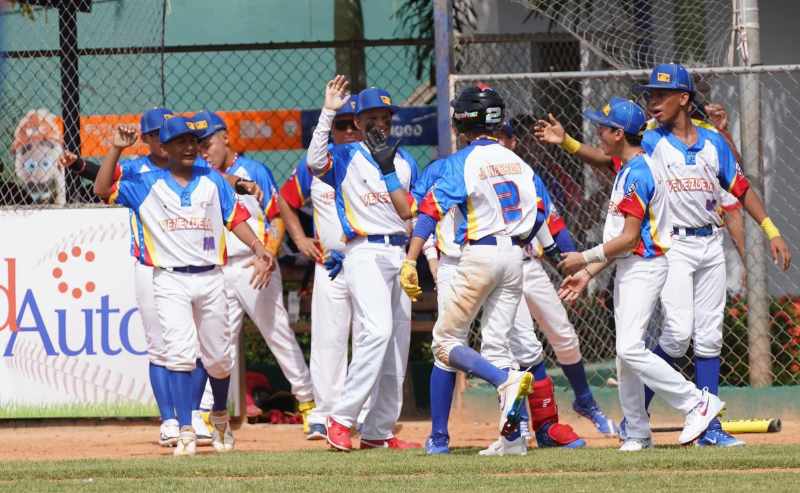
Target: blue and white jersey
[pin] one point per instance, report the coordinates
(492, 187)
(363, 203)
(695, 176)
(639, 190)
(261, 213)
(303, 187)
(128, 168)
(177, 225)
(449, 231)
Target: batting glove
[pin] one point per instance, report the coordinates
(409, 280)
(333, 264)
(381, 151)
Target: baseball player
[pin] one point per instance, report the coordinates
(494, 191)
(371, 180)
(331, 307)
(181, 214)
(636, 239)
(263, 306)
(541, 300)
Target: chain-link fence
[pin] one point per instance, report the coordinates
(581, 194)
(70, 80)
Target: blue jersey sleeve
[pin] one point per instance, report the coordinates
(639, 190)
(429, 176)
(650, 139)
(449, 191)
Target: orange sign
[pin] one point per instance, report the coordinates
(249, 130)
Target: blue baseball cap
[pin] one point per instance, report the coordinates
(619, 113)
(207, 123)
(350, 106)
(174, 128)
(152, 120)
(374, 98)
(671, 76)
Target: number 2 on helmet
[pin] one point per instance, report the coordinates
(508, 195)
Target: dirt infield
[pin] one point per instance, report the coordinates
(81, 440)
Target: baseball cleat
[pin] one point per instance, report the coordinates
(501, 447)
(715, 436)
(623, 430)
(316, 431)
(513, 395)
(700, 417)
(169, 433)
(593, 413)
(222, 436)
(187, 442)
(437, 445)
(201, 428)
(305, 408)
(552, 435)
(393, 443)
(636, 444)
(339, 436)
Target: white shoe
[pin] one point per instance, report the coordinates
(636, 444)
(222, 436)
(187, 442)
(169, 433)
(700, 417)
(501, 446)
(513, 395)
(200, 428)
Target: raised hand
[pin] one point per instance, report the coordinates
(718, 116)
(337, 91)
(550, 131)
(124, 136)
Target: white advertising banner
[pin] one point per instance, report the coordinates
(71, 339)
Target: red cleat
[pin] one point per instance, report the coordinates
(339, 436)
(393, 442)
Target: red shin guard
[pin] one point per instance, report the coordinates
(544, 413)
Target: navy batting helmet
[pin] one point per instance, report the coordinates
(478, 108)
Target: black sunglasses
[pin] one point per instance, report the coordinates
(344, 124)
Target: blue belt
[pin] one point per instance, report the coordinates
(191, 269)
(394, 240)
(706, 230)
(492, 240)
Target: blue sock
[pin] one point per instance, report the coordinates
(538, 371)
(706, 373)
(442, 385)
(467, 359)
(648, 394)
(180, 384)
(199, 378)
(159, 381)
(576, 374)
(518, 433)
(219, 387)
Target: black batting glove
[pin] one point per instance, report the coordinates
(381, 151)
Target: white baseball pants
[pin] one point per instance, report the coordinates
(146, 303)
(488, 276)
(693, 297)
(191, 310)
(382, 311)
(637, 286)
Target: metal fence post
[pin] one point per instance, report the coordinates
(758, 319)
(443, 36)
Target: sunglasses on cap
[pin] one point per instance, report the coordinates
(344, 124)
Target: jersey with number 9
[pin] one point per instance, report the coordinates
(492, 187)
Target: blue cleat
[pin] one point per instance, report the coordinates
(551, 435)
(437, 446)
(715, 436)
(593, 413)
(316, 431)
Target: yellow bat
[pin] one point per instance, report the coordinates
(737, 426)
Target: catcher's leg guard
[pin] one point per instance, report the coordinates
(544, 418)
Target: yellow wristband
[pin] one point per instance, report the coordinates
(769, 228)
(570, 145)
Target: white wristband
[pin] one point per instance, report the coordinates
(594, 255)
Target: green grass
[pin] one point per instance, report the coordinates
(752, 469)
(102, 410)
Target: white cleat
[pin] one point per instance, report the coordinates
(700, 417)
(200, 428)
(222, 436)
(636, 444)
(169, 433)
(501, 447)
(513, 395)
(187, 442)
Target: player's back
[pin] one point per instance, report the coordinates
(501, 197)
(260, 212)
